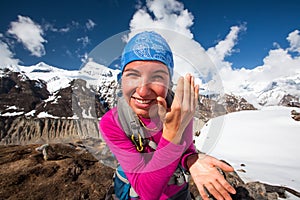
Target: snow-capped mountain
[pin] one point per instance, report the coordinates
(40, 98)
(54, 77)
(103, 81)
(24, 84)
(277, 89)
(57, 78)
(268, 93)
(42, 103)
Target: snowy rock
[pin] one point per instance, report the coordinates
(295, 115)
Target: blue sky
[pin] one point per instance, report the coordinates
(63, 32)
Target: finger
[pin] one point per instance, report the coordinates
(222, 165)
(226, 187)
(178, 92)
(203, 193)
(218, 163)
(187, 91)
(162, 107)
(192, 92)
(213, 191)
(196, 96)
(222, 191)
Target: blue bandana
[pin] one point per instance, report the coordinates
(147, 46)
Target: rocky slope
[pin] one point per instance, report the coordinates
(69, 171)
(72, 174)
(29, 113)
(22, 130)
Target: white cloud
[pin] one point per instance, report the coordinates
(166, 14)
(6, 56)
(29, 34)
(277, 64)
(84, 58)
(84, 40)
(73, 25)
(225, 47)
(164, 8)
(294, 39)
(90, 24)
(52, 28)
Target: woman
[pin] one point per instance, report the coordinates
(147, 69)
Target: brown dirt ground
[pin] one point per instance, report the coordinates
(73, 175)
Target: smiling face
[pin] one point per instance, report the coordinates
(142, 83)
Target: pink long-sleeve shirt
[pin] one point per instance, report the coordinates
(148, 172)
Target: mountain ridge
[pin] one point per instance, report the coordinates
(44, 92)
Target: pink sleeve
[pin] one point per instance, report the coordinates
(148, 173)
(191, 148)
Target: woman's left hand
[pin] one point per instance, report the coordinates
(182, 110)
(206, 176)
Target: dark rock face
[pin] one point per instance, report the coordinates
(75, 100)
(234, 103)
(22, 130)
(290, 100)
(18, 91)
(209, 108)
(295, 115)
(30, 114)
(20, 94)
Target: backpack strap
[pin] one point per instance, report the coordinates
(131, 124)
(121, 175)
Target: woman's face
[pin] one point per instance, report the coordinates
(142, 83)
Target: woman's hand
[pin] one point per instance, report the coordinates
(182, 110)
(206, 176)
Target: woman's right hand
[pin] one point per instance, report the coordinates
(182, 110)
(207, 177)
